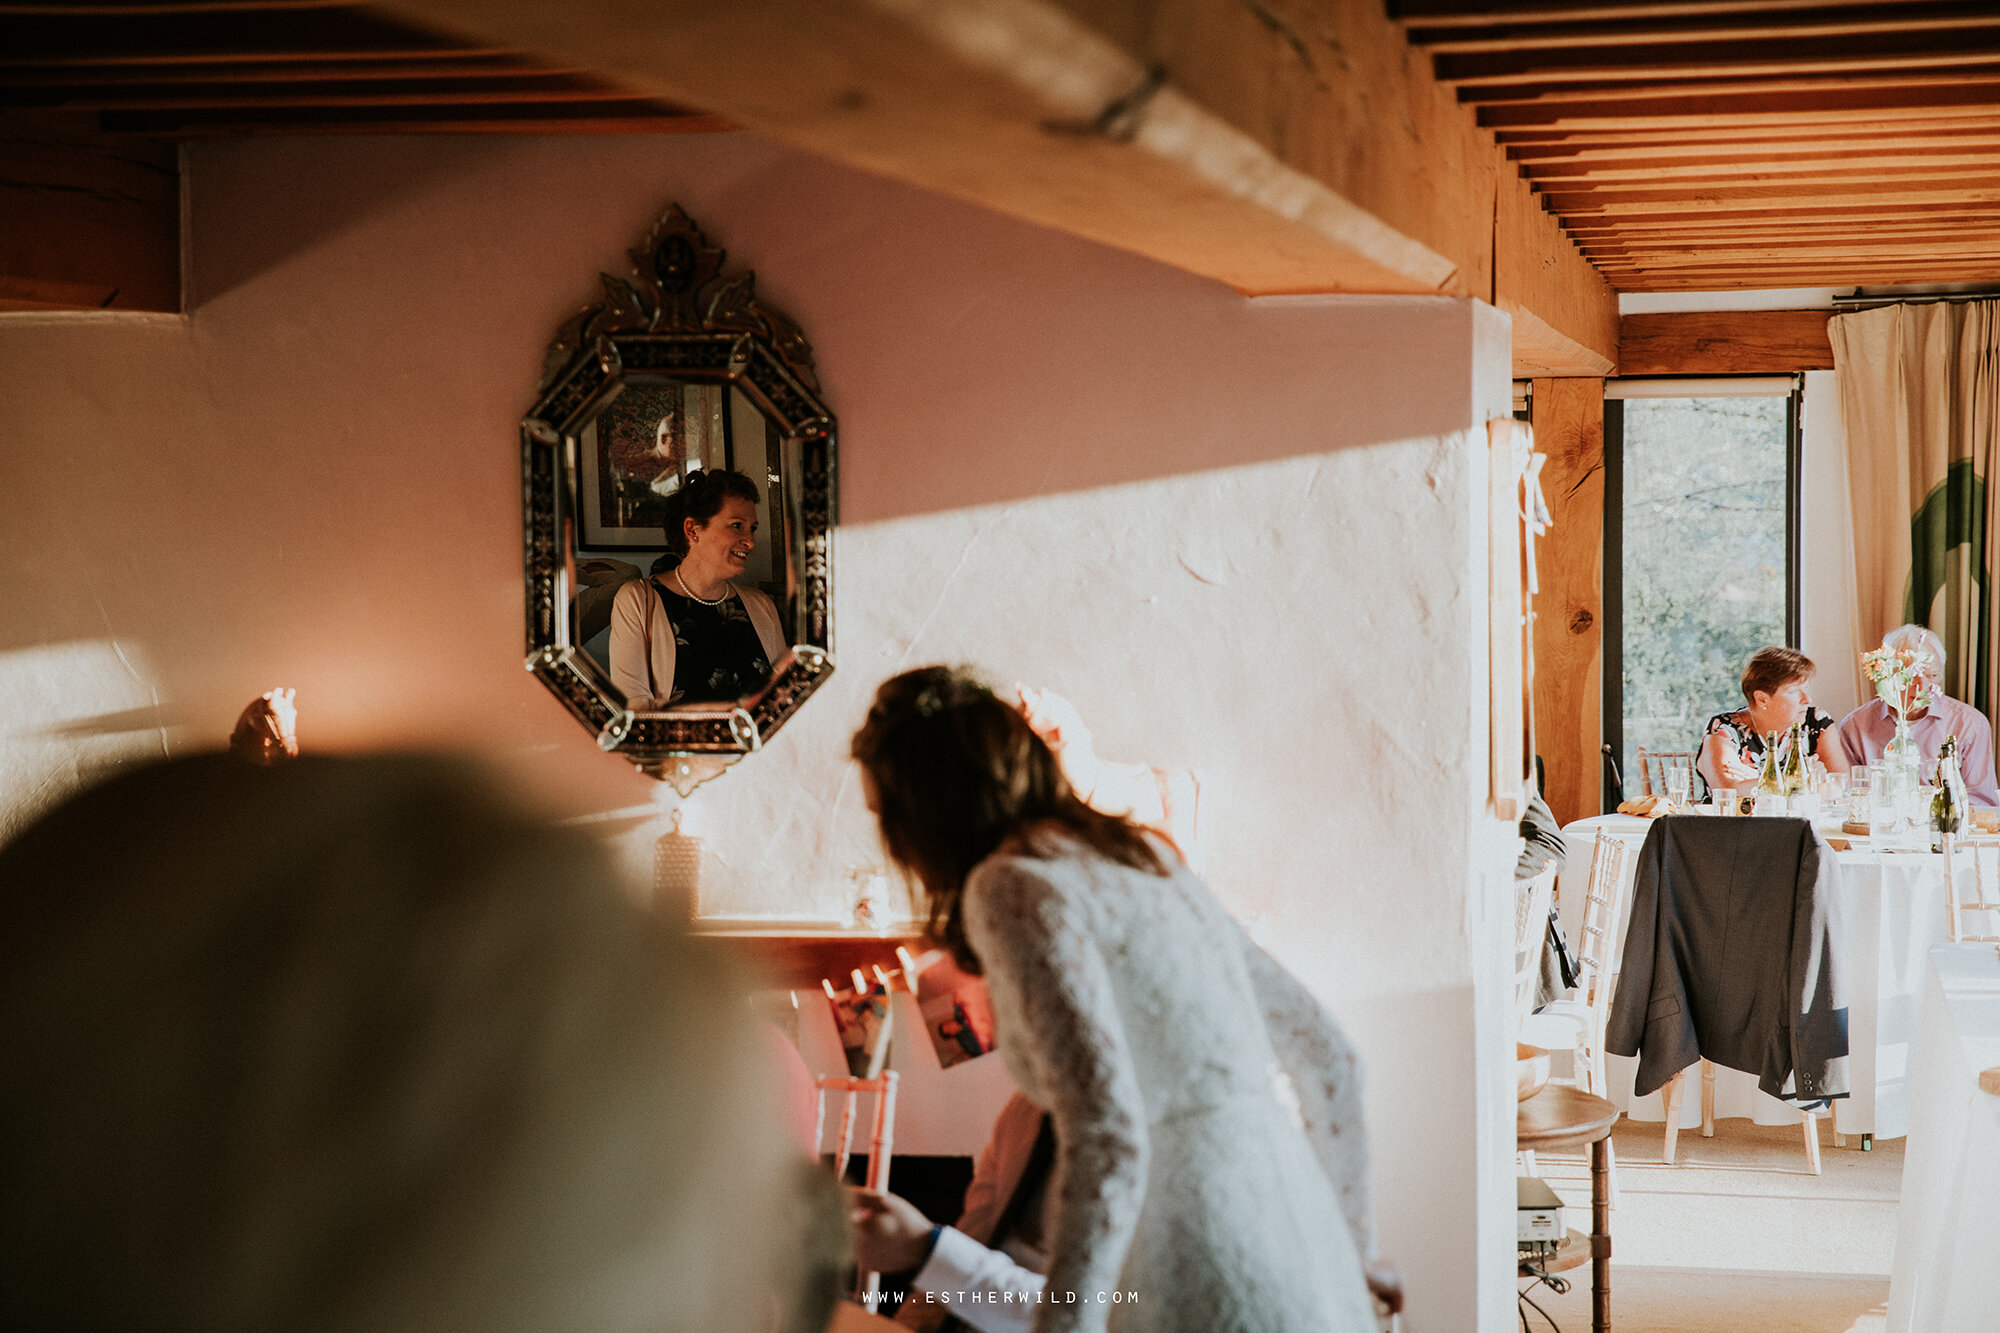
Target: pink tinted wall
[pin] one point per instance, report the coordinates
(1242, 536)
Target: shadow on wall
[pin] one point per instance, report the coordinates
(305, 198)
(972, 358)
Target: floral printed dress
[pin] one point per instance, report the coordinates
(1748, 746)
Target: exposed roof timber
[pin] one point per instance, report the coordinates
(1863, 107)
(1708, 181)
(542, 119)
(1617, 134)
(1767, 197)
(1874, 163)
(1912, 82)
(200, 68)
(388, 92)
(1479, 13)
(1759, 26)
(443, 66)
(1668, 151)
(1761, 256)
(1657, 60)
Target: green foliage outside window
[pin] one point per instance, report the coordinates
(1704, 561)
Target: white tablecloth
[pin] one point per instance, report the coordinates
(1946, 1279)
(1887, 913)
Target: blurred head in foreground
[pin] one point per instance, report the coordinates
(352, 1044)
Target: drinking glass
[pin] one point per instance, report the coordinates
(1678, 782)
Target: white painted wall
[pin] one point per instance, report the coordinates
(1244, 537)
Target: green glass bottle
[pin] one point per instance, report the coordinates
(1796, 780)
(1769, 781)
(1947, 812)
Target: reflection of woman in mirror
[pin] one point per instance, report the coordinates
(690, 633)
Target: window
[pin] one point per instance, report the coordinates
(1700, 552)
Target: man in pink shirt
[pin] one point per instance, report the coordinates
(1866, 732)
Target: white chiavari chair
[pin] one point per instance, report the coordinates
(1577, 1024)
(1972, 890)
(881, 1143)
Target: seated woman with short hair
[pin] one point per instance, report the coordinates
(1774, 691)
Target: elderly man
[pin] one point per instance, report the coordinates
(1866, 732)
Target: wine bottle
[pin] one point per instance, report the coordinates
(1795, 762)
(1947, 809)
(1769, 783)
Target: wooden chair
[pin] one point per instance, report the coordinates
(1977, 920)
(1577, 1024)
(1531, 927)
(1673, 1092)
(881, 1145)
(1664, 762)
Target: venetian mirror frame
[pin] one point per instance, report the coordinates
(683, 321)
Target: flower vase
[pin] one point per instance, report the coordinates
(1902, 751)
(1901, 764)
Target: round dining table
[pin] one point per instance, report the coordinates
(1888, 911)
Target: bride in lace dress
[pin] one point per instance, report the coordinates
(1211, 1168)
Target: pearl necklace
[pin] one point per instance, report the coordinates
(703, 600)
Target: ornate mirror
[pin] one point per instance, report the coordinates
(681, 369)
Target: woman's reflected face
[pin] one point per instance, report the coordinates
(726, 541)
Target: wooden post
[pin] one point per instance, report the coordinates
(1569, 610)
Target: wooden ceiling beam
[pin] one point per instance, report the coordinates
(259, 33)
(1828, 162)
(1651, 61)
(1762, 257)
(542, 121)
(1683, 151)
(1787, 26)
(1619, 134)
(1722, 282)
(1710, 182)
(1864, 107)
(1474, 13)
(88, 220)
(1685, 81)
(1608, 90)
(1857, 239)
(198, 96)
(1615, 202)
(1724, 342)
(445, 68)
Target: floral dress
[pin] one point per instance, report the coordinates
(718, 657)
(1748, 746)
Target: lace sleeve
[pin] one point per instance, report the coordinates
(1058, 1016)
(1326, 1076)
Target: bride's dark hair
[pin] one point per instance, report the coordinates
(957, 772)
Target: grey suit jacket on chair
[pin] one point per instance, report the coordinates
(1728, 958)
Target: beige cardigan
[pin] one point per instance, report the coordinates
(628, 629)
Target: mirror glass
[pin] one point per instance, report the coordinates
(681, 371)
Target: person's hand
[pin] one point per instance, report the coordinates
(1735, 773)
(890, 1234)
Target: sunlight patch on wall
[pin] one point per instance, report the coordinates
(74, 712)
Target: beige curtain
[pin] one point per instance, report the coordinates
(1920, 400)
